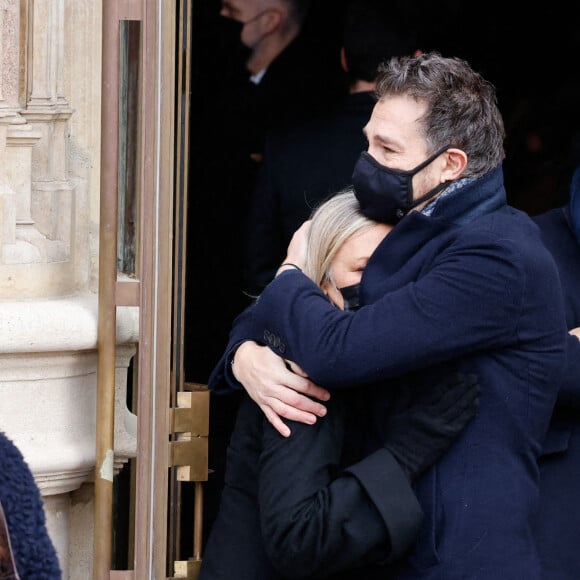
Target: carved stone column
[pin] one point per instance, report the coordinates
(49, 197)
(48, 367)
(10, 49)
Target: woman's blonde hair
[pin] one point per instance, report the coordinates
(333, 222)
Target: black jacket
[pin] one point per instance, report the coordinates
(302, 166)
(288, 509)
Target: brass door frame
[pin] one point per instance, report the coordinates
(183, 82)
(151, 290)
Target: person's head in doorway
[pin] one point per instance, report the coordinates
(340, 242)
(436, 122)
(373, 32)
(267, 27)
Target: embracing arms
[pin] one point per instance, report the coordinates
(467, 298)
(318, 517)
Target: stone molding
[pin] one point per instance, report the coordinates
(48, 379)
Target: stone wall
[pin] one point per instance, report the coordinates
(49, 220)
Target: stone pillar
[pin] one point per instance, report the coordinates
(37, 195)
(7, 194)
(48, 375)
(47, 220)
(49, 200)
(10, 50)
(16, 140)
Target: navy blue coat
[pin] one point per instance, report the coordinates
(470, 283)
(34, 552)
(558, 525)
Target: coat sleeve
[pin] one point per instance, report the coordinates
(222, 380)
(470, 300)
(317, 520)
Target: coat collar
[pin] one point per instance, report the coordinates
(475, 199)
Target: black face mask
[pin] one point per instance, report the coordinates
(386, 194)
(229, 35)
(351, 296)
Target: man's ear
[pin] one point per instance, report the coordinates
(270, 21)
(343, 62)
(455, 161)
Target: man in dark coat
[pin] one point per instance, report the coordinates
(315, 502)
(306, 163)
(461, 278)
(558, 525)
(34, 552)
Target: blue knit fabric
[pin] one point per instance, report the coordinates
(34, 552)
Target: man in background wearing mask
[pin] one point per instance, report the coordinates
(290, 71)
(461, 279)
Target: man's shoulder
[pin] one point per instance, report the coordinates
(510, 237)
(506, 225)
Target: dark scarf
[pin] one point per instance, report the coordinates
(469, 199)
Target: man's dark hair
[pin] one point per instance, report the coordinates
(461, 108)
(298, 9)
(373, 33)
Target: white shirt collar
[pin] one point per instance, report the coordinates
(256, 79)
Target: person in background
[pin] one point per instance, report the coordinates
(276, 71)
(319, 503)
(285, 76)
(558, 522)
(271, 68)
(34, 553)
(462, 279)
(282, 75)
(305, 163)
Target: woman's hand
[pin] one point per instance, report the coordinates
(575, 332)
(279, 387)
(297, 249)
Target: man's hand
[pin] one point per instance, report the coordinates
(280, 388)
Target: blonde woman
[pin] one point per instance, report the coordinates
(319, 503)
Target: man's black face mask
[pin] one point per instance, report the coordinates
(230, 32)
(386, 194)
